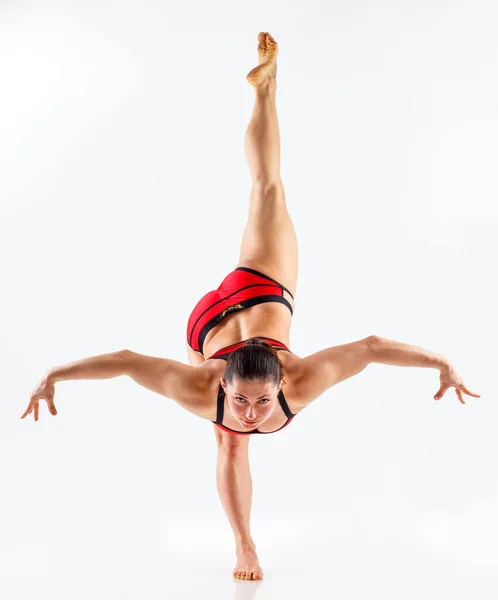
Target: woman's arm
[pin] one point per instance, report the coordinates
(320, 371)
(103, 366)
(167, 377)
(183, 383)
(328, 367)
(390, 352)
(170, 378)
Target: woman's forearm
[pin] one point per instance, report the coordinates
(390, 352)
(103, 366)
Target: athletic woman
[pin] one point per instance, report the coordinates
(242, 376)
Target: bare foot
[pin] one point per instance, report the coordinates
(267, 68)
(247, 566)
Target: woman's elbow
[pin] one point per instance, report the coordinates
(371, 344)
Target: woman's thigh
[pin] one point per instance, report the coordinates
(269, 242)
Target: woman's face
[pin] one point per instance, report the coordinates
(251, 400)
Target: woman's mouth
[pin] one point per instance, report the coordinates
(249, 422)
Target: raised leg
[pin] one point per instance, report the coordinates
(269, 242)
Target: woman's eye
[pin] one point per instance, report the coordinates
(264, 400)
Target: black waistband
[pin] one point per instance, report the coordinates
(241, 306)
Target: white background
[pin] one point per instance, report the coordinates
(124, 193)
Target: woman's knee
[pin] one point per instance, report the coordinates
(267, 198)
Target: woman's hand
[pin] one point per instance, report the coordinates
(450, 378)
(44, 390)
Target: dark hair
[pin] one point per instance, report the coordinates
(254, 360)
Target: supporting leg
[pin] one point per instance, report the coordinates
(234, 483)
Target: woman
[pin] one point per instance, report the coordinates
(242, 375)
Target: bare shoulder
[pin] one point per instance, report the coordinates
(192, 387)
(316, 373)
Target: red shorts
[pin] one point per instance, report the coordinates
(240, 289)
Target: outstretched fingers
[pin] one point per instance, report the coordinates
(469, 393)
(34, 405)
(458, 390)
